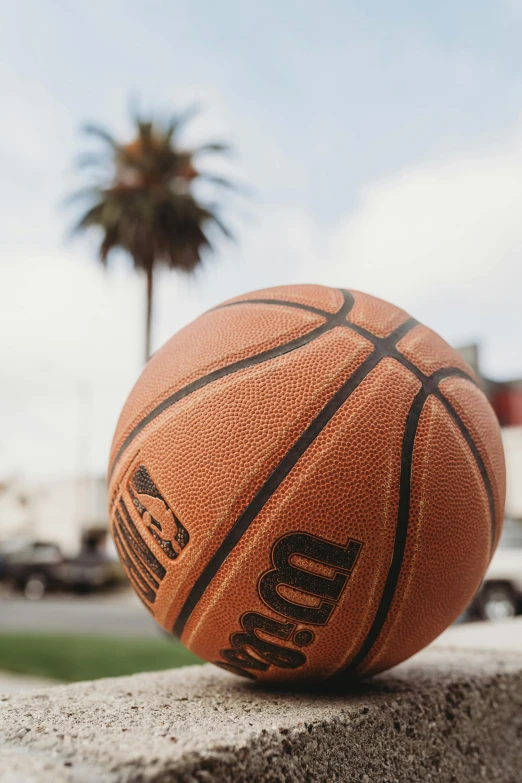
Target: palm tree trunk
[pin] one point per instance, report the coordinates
(148, 322)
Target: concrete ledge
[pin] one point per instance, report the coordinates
(447, 715)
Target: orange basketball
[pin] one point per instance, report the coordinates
(306, 483)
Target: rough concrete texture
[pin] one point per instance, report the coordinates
(444, 716)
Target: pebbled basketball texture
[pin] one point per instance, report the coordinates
(306, 483)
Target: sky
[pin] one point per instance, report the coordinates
(381, 143)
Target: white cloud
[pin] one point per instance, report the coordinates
(454, 224)
(65, 325)
(515, 6)
(38, 124)
(444, 240)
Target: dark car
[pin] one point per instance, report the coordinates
(90, 571)
(33, 567)
(37, 567)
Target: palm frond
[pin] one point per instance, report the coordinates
(216, 146)
(177, 121)
(93, 159)
(109, 242)
(82, 194)
(216, 219)
(145, 133)
(92, 217)
(101, 133)
(215, 179)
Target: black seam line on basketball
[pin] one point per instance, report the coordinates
(333, 320)
(455, 372)
(478, 459)
(429, 387)
(395, 337)
(381, 351)
(283, 302)
(401, 531)
(344, 309)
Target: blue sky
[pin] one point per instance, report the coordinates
(383, 142)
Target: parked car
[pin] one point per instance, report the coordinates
(90, 571)
(500, 595)
(37, 567)
(32, 567)
(6, 547)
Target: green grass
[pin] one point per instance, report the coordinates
(73, 658)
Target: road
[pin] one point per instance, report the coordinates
(14, 683)
(123, 615)
(505, 635)
(115, 615)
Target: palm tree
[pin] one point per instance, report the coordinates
(144, 203)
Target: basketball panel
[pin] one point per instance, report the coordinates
(375, 315)
(320, 296)
(214, 340)
(429, 352)
(447, 546)
(479, 419)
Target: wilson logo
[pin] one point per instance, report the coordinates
(139, 496)
(304, 586)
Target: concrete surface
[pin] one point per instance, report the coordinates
(446, 716)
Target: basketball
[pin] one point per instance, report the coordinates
(305, 483)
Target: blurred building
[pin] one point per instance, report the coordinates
(69, 512)
(506, 400)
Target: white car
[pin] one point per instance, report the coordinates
(500, 595)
